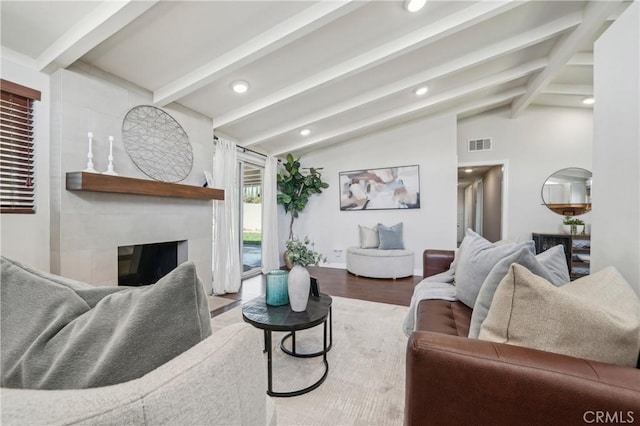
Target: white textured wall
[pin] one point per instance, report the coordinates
(429, 143)
(88, 227)
(538, 143)
(616, 184)
(25, 237)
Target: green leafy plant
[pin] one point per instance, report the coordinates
(568, 220)
(296, 185)
(573, 223)
(302, 253)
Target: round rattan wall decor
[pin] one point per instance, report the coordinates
(157, 144)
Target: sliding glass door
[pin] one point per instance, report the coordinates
(251, 217)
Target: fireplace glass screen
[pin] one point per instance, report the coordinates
(146, 263)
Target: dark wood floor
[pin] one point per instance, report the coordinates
(336, 282)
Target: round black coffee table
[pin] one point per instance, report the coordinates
(281, 318)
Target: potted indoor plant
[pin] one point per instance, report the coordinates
(301, 254)
(296, 185)
(572, 224)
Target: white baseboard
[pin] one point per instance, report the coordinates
(416, 272)
(333, 265)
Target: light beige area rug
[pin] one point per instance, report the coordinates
(365, 385)
(216, 302)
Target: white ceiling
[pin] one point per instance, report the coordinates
(339, 68)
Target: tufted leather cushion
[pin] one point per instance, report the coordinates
(441, 316)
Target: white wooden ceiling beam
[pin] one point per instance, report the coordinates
(582, 59)
(569, 89)
(490, 102)
(276, 37)
(595, 15)
(496, 50)
(472, 15)
(101, 23)
(431, 101)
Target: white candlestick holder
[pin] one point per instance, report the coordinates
(110, 170)
(90, 168)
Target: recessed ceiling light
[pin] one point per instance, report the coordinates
(240, 86)
(305, 132)
(468, 170)
(414, 5)
(421, 90)
(588, 101)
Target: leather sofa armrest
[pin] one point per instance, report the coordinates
(457, 380)
(436, 261)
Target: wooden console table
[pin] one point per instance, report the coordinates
(574, 247)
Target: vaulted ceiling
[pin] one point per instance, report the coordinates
(340, 69)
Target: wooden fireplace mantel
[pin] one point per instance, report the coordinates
(96, 182)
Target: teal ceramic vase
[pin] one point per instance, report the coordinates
(277, 288)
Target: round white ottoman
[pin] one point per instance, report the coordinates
(376, 263)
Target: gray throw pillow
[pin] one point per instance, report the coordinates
(62, 334)
(550, 265)
(555, 260)
(390, 237)
(476, 258)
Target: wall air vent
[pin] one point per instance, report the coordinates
(483, 144)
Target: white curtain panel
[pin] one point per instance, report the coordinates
(270, 253)
(227, 271)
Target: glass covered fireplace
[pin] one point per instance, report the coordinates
(144, 264)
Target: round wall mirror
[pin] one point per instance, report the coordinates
(568, 191)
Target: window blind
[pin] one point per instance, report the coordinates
(17, 165)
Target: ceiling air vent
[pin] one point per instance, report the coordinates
(480, 144)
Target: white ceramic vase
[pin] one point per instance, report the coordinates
(299, 283)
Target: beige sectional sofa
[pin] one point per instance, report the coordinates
(220, 381)
(73, 353)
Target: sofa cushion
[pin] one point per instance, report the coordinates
(390, 237)
(476, 259)
(550, 265)
(62, 334)
(594, 317)
(444, 317)
(369, 237)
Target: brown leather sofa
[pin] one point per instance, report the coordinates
(452, 379)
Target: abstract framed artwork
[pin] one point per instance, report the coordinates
(380, 189)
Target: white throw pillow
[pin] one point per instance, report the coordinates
(594, 317)
(369, 237)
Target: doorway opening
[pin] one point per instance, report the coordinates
(481, 203)
(251, 218)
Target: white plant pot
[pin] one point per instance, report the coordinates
(299, 283)
(578, 229)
